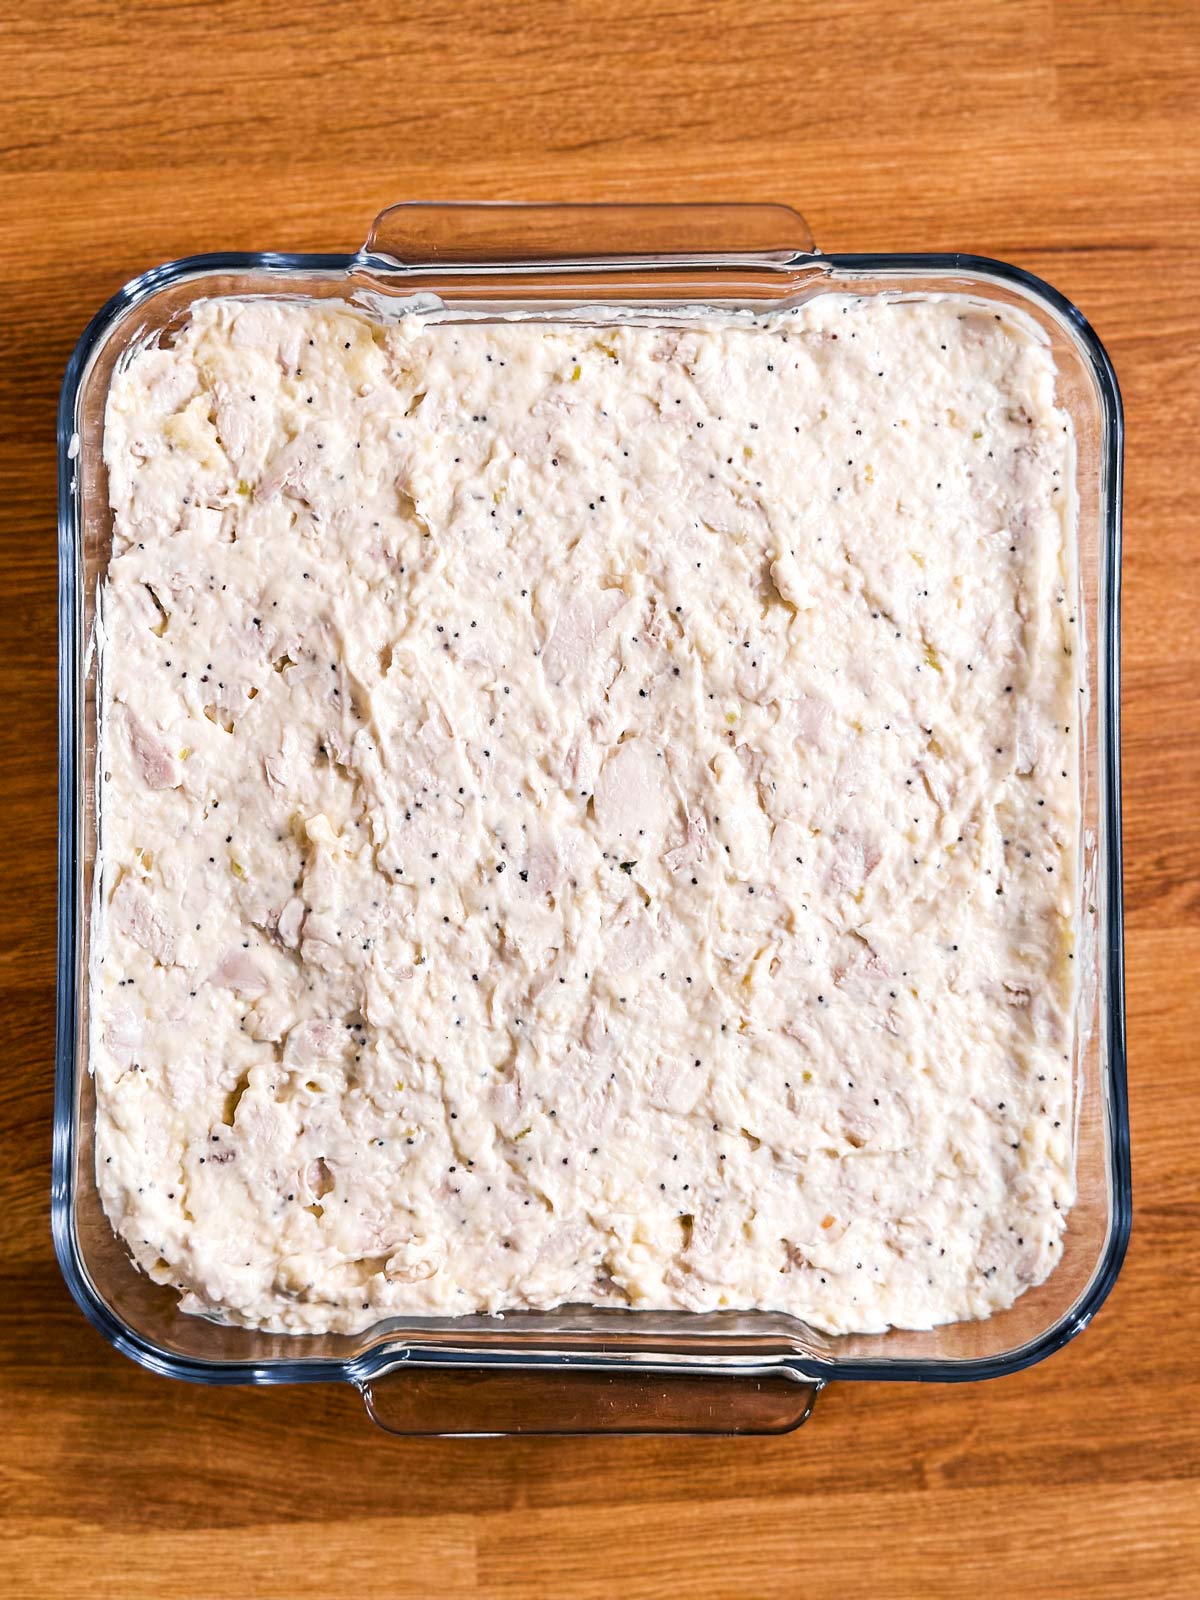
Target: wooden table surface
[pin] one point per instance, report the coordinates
(1063, 135)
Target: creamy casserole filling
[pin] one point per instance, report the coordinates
(589, 813)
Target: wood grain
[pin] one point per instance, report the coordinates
(1060, 134)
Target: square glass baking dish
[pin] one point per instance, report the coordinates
(577, 1368)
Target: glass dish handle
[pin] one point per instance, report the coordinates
(452, 1402)
(427, 233)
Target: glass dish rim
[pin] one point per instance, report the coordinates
(390, 1355)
